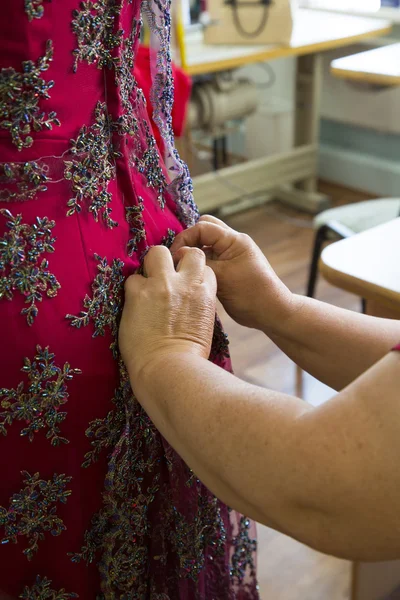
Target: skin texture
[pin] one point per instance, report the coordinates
(327, 476)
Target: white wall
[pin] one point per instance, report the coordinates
(357, 104)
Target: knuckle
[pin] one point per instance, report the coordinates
(130, 284)
(197, 252)
(244, 239)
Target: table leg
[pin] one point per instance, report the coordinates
(307, 126)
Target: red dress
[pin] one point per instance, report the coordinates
(93, 502)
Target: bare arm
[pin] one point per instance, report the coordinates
(333, 344)
(327, 476)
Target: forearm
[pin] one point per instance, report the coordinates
(323, 476)
(333, 344)
(236, 437)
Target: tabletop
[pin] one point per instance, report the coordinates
(367, 264)
(314, 31)
(380, 66)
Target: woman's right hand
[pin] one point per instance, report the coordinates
(250, 291)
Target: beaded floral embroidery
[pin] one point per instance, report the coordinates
(94, 27)
(93, 168)
(22, 181)
(34, 9)
(20, 94)
(104, 308)
(169, 238)
(41, 590)
(32, 511)
(119, 531)
(134, 216)
(20, 270)
(38, 404)
(243, 555)
(129, 90)
(148, 164)
(190, 539)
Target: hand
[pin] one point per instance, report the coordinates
(248, 287)
(167, 311)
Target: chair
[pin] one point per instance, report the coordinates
(344, 221)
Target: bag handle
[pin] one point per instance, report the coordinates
(236, 4)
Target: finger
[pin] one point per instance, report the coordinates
(132, 285)
(158, 261)
(192, 264)
(205, 234)
(214, 220)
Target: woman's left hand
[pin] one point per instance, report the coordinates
(168, 310)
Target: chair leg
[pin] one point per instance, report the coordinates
(320, 238)
(363, 306)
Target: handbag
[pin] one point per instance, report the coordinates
(249, 22)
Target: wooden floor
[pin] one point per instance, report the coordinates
(287, 569)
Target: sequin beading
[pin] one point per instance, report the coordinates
(20, 94)
(32, 511)
(38, 404)
(22, 268)
(41, 590)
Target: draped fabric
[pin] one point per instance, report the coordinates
(93, 502)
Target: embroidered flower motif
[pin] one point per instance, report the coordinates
(243, 554)
(32, 511)
(38, 406)
(20, 269)
(129, 90)
(104, 308)
(148, 164)
(94, 27)
(20, 94)
(41, 590)
(168, 239)
(34, 9)
(23, 180)
(93, 168)
(134, 216)
(191, 538)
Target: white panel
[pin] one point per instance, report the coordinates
(359, 171)
(358, 104)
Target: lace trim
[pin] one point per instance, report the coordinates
(158, 15)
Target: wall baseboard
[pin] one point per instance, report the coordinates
(359, 171)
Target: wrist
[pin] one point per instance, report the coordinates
(276, 305)
(145, 371)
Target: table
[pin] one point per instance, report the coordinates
(367, 265)
(380, 66)
(291, 176)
